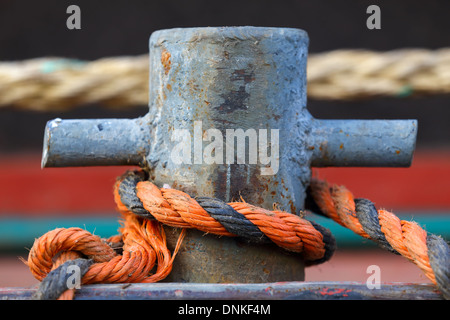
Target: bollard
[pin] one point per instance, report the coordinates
(227, 119)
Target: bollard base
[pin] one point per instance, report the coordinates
(207, 258)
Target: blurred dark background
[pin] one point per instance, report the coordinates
(30, 29)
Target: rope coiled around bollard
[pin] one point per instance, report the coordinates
(236, 219)
(131, 256)
(429, 252)
(144, 207)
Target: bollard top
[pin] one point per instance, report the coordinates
(221, 34)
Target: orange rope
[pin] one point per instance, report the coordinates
(177, 209)
(407, 238)
(144, 242)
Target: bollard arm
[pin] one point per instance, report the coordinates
(96, 142)
(362, 143)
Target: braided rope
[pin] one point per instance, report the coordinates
(428, 251)
(353, 74)
(131, 256)
(54, 286)
(49, 84)
(59, 84)
(236, 219)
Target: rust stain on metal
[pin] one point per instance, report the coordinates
(324, 150)
(165, 60)
(292, 206)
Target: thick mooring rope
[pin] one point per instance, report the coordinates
(132, 255)
(354, 74)
(236, 219)
(144, 207)
(46, 84)
(429, 252)
(125, 258)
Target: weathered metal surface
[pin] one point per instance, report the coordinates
(363, 143)
(102, 142)
(231, 78)
(255, 291)
(213, 259)
(223, 79)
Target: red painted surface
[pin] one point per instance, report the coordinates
(328, 292)
(26, 189)
(423, 186)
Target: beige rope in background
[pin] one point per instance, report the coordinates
(351, 74)
(60, 84)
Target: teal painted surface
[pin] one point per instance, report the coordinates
(20, 232)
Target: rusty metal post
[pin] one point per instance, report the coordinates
(207, 84)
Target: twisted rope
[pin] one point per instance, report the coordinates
(131, 256)
(55, 284)
(236, 219)
(355, 74)
(54, 84)
(45, 84)
(429, 252)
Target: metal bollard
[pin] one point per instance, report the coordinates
(246, 81)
